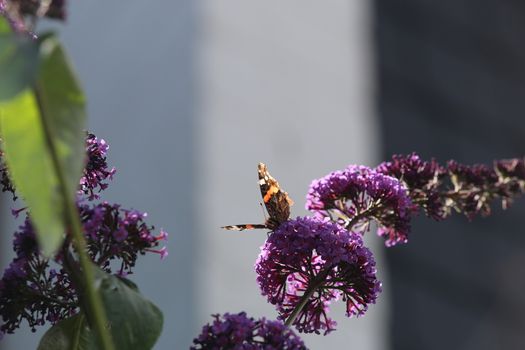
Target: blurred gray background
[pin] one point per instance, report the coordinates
(191, 95)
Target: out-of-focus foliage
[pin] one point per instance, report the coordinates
(42, 129)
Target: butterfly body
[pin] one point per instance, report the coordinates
(276, 201)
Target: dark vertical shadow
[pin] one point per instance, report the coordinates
(451, 84)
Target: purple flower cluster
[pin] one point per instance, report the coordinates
(357, 194)
(15, 12)
(307, 263)
(512, 169)
(96, 171)
(421, 178)
(511, 173)
(37, 289)
(31, 289)
(312, 262)
(118, 234)
(466, 189)
(471, 193)
(95, 175)
(238, 331)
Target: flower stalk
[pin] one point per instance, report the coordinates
(96, 313)
(316, 283)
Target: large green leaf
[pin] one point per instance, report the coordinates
(135, 323)
(42, 128)
(18, 63)
(70, 334)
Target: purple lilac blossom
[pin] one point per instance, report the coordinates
(512, 179)
(471, 192)
(476, 186)
(238, 331)
(114, 233)
(20, 8)
(511, 168)
(95, 175)
(96, 171)
(31, 290)
(319, 260)
(357, 194)
(422, 180)
(467, 189)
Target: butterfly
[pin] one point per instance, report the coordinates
(275, 200)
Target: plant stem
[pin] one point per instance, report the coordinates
(316, 282)
(370, 211)
(94, 301)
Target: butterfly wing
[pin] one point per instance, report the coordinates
(243, 227)
(276, 201)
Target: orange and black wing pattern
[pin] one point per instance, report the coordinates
(275, 200)
(242, 227)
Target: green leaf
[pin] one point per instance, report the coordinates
(135, 323)
(70, 334)
(42, 128)
(18, 63)
(4, 25)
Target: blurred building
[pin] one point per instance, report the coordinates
(451, 84)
